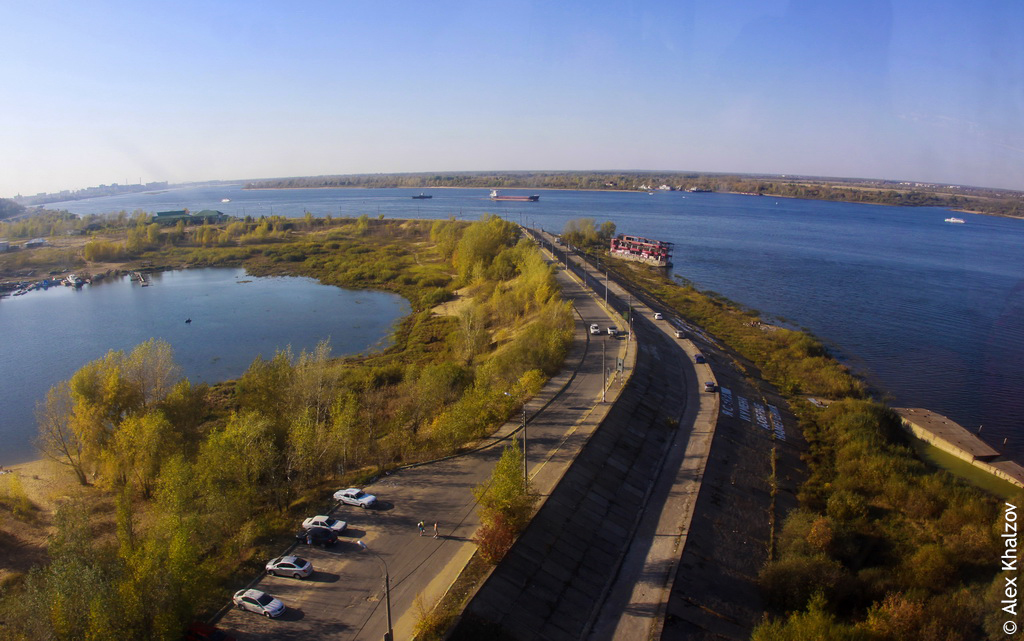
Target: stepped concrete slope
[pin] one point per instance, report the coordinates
(554, 579)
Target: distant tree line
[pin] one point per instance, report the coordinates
(9, 208)
(984, 200)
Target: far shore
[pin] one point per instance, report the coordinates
(621, 191)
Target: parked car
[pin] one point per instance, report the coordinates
(594, 329)
(699, 358)
(328, 522)
(200, 631)
(709, 386)
(355, 496)
(613, 330)
(259, 602)
(317, 536)
(657, 316)
(293, 566)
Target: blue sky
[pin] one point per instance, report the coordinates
(123, 91)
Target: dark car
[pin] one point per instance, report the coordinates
(699, 358)
(199, 631)
(317, 536)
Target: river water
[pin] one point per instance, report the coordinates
(47, 335)
(928, 312)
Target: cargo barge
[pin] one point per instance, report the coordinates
(657, 253)
(523, 199)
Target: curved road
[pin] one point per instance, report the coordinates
(344, 598)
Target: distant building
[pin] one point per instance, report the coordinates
(35, 242)
(4, 245)
(211, 216)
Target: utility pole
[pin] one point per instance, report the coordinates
(390, 634)
(604, 370)
(526, 476)
(630, 337)
(606, 285)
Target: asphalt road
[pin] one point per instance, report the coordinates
(344, 598)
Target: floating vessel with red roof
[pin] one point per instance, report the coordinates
(657, 253)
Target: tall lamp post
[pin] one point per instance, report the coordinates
(526, 475)
(390, 634)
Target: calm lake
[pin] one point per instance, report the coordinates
(929, 312)
(47, 335)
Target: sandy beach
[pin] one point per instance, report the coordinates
(23, 538)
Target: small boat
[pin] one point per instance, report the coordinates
(188, 321)
(955, 220)
(423, 197)
(225, 200)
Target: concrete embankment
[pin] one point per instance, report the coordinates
(558, 573)
(952, 438)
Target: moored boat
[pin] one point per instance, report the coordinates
(657, 253)
(955, 220)
(422, 196)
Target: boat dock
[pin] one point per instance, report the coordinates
(955, 439)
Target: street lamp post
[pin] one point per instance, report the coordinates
(526, 476)
(606, 285)
(390, 634)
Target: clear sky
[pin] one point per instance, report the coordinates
(102, 92)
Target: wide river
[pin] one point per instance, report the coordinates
(47, 335)
(928, 312)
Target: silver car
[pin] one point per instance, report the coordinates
(258, 602)
(328, 522)
(355, 496)
(293, 566)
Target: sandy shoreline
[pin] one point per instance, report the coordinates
(23, 539)
(45, 482)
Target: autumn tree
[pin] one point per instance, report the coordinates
(504, 504)
(58, 440)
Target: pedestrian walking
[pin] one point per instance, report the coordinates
(435, 529)
(422, 527)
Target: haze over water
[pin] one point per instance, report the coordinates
(927, 311)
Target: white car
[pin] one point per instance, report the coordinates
(259, 602)
(612, 331)
(293, 566)
(328, 522)
(657, 315)
(355, 496)
(594, 329)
